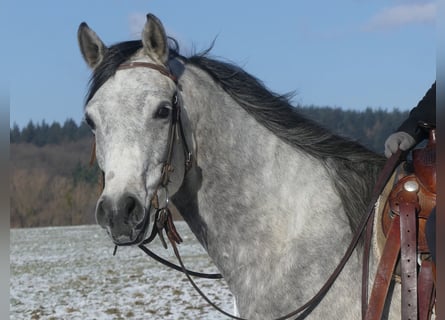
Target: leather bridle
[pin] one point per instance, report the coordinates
(164, 221)
(163, 217)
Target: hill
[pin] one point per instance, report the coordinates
(52, 185)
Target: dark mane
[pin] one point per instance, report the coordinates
(276, 113)
(353, 167)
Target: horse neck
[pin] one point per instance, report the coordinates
(223, 134)
(247, 195)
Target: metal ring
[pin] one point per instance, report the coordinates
(167, 199)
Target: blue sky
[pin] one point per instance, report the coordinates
(351, 54)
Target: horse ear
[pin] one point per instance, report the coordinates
(92, 48)
(154, 39)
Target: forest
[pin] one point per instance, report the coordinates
(52, 182)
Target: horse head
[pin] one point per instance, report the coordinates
(130, 110)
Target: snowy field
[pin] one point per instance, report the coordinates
(70, 273)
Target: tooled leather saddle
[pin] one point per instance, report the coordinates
(405, 255)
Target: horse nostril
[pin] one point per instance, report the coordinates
(133, 209)
(130, 205)
(120, 212)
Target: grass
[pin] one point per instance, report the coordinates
(113, 311)
(177, 292)
(71, 310)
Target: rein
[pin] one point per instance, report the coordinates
(313, 302)
(164, 221)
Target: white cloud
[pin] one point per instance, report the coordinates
(401, 15)
(136, 22)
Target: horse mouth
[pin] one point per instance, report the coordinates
(135, 238)
(125, 225)
(132, 235)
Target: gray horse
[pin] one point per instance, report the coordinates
(272, 197)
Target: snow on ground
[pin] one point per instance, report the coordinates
(70, 273)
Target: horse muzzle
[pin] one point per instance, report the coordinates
(125, 218)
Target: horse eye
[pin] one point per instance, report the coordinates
(90, 122)
(162, 112)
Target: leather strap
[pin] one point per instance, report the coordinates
(426, 290)
(386, 173)
(384, 272)
(366, 257)
(161, 69)
(181, 263)
(408, 236)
